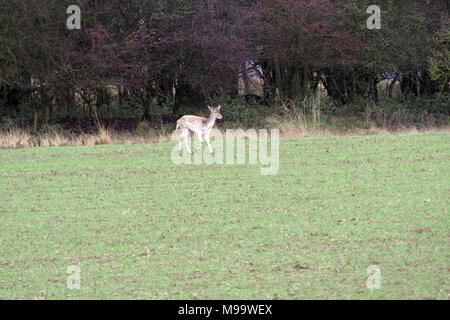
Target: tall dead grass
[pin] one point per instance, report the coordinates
(300, 126)
(294, 123)
(21, 138)
(305, 118)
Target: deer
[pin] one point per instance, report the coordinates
(199, 125)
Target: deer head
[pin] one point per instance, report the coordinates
(215, 112)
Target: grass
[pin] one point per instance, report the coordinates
(141, 227)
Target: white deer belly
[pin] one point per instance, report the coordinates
(192, 126)
(206, 129)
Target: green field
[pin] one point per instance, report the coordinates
(141, 227)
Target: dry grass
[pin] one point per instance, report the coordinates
(19, 138)
(295, 130)
(304, 118)
(302, 127)
(294, 123)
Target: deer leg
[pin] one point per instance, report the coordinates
(207, 141)
(199, 135)
(182, 135)
(180, 138)
(186, 141)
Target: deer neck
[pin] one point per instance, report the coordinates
(210, 122)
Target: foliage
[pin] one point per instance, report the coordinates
(170, 57)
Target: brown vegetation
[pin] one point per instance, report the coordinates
(289, 128)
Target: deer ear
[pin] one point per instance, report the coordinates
(209, 107)
(218, 108)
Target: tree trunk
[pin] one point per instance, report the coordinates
(35, 117)
(245, 79)
(269, 86)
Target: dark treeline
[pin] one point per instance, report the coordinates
(160, 59)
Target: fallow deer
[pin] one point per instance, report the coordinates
(201, 126)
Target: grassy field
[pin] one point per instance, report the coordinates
(141, 227)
